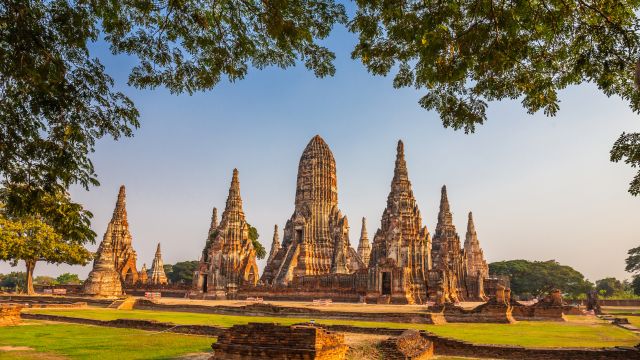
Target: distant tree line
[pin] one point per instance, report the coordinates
(17, 280)
(533, 279)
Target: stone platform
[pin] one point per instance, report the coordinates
(10, 314)
(276, 342)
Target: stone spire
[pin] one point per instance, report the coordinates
(316, 237)
(275, 244)
(214, 221)
(364, 248)
(234, 201)
(229, 259)
(124, 256)
(474, 254)
(158, 277)
(401, 240)
(143, 277)
(445, 218)
(447, 252)
(103, 280)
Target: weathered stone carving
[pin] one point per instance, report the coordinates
(476, 264)
(143, 276)
(118, 234)
(275, 244)
(400, 252)
(103, 280)
(316, 237)
(158, 277)
(364, 248)
(229, 259)
(447, 255)
(409, 345)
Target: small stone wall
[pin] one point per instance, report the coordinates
(10, 314)
(485, 313)
(276, 342)
(294, 312)
(54, 299)
(409, 345)
(452, 347)
(134, 324)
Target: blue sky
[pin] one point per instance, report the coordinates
(540, 188)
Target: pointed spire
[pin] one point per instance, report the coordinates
(364, 248)
(158, 277)
(234, 201)
(400, 172)
(444, 216)
(120, 211)
(214, 221)
(471, 228)
(363, 231)
(275, 244)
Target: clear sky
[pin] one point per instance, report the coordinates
(540, 188)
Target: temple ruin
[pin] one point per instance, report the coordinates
(400, 251)
(229, 259)
(316, 237)
(103, 280)
(475, 261)
(364, 248)
(402, 265)
(158, 277)
(119, 236)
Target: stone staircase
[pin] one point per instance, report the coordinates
(123, 304)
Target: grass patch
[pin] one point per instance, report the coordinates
(579, 331)
(71, 341)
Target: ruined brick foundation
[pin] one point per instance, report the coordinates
(276, 342)
(10, 314)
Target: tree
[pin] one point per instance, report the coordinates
(633, 260)
(30, 239)
(182, 272)
(14, 280)
(635, 284)
(609, 286)
(465, 54)
(536, 278)
(68, 279)
(261, 252)
(57, 100)
(44, 280)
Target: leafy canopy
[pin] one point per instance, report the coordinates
(261, 252)
(68, 279)
(535, 278)
(464, 54)
(609, 286)
(182, 272)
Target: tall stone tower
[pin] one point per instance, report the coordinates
(275, 244)
(476, 264)
(103, 280)
(229, 261)
(399, 254)
(316, 237)
(364, 248)
(158, 277)
(447, 253)
(119, 236)
(143, 276)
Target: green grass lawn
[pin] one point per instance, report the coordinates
(71, 341)
(578, 332)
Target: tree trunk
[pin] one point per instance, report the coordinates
(31, 264)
